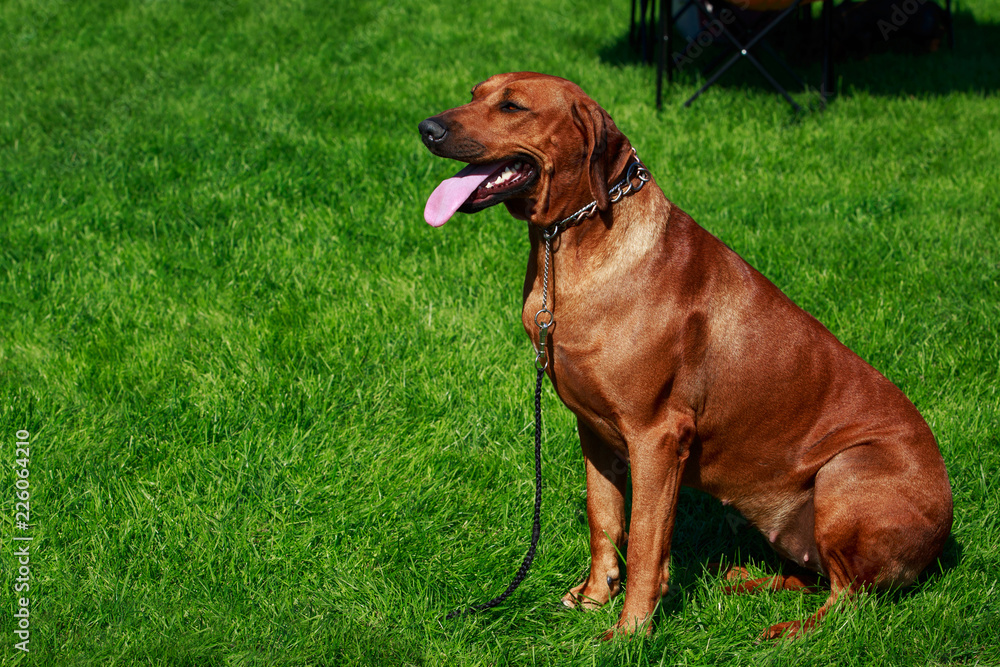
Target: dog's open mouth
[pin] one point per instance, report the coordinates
(479, 186)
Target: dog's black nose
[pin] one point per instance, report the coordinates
(431, 131)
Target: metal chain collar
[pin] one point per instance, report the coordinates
(636, 171)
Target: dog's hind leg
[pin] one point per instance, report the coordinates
(881, 518)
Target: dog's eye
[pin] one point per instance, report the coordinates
(509, 107)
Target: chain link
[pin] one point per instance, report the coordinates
(541, 353)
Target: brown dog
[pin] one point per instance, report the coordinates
(681, 359)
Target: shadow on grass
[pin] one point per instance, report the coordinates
(970, 67)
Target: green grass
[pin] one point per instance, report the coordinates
(276, 419)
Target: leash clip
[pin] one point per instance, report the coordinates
(541, 353)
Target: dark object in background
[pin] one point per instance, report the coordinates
(873, 26)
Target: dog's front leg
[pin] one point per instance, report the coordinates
(657, 462)
(606, 478)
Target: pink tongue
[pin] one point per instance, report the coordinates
(449, 196)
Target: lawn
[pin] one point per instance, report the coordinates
(276, 419)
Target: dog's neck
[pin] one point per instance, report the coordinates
(601, 259)
(622, 235)
(624, 231)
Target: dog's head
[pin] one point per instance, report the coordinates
(535, 142)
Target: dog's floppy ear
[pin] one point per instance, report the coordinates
(593, 122)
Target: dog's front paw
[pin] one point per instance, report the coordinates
(579, 597)
(593, 593)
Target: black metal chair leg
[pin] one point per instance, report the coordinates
(667, 7)
(631, 26)
(659, 63)
(652, 32)
(951, 32)
(664, 45)
(644, 31)
(827, 86)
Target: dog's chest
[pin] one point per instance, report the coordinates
(612, 379)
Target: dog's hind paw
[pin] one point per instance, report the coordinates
(786, 630)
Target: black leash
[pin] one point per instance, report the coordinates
(536, 528)
(543, 320)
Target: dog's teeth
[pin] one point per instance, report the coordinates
(509, 172)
